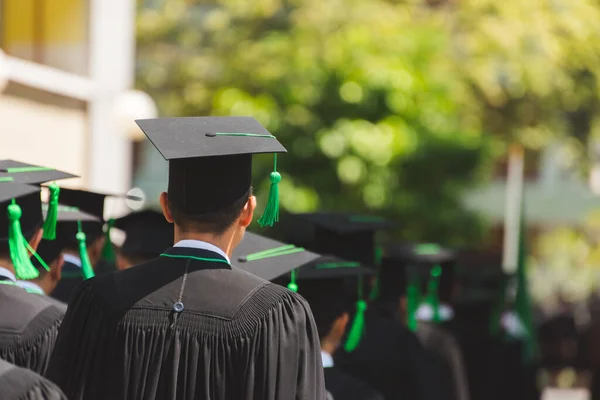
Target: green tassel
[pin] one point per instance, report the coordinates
(357, 328)
(86, 265)
(52, 215)
(433, 298)
(271, 213)
(24, 269)
(108, 251)
(292, 285)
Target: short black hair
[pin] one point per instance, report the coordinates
(216, 222)
(5, 248)
(328, 300)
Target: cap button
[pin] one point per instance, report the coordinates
(178, 307)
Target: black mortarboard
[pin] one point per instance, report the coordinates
(89, 202)
(147, 232)
(268, 258)
(349, 236)
(325, 283)
(66, 232)
(406, 267)
(210, 160)
(30, 174)
(20, 217)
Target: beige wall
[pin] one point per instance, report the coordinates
(36, 131)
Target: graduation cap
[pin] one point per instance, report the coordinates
(93, 203)
(346, 235)
(147, 233)
(70, 223)
(270, 259)
(36, 175)
(323, 282)
(22, 218)
(405, 266)
(210, 161)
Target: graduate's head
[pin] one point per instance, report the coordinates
(87, 208)
(209, 195)
(147, 235)
(228, 219)
(329, 303)
(50, 252)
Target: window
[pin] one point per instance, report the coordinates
(50, 32)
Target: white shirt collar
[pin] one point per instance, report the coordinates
(326, 359)
(199, 244)
(425, 312)
(30, 287)
(512, 324)
(70, 258)
(5, 273)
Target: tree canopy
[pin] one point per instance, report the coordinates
(389, 107)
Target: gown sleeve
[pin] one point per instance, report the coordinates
(77, 343)
(291, 354)
(44, 390)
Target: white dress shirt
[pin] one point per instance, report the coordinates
(326, 359)
(70, 258)
(5, 273)
(199, 244)
(425, 312)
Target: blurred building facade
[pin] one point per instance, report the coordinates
(555, 195)
(66, 73)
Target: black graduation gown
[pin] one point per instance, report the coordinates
(71, 278)
(345, 387)
(447, 357)
(22, 384)
(238, 336)
(29, 326)
(390, 359)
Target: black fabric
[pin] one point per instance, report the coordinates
(345, 387)
(328, 300)
(31, 206)
(22, 384)
(89, 202)
(354, 246)
(147, 232)
(391, 359)
(193, 137)
(447, 358)
(393, 279)
(238, 337)
(29, 326)
(494, 366)
(72, 276)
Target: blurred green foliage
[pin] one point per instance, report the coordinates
(389, 107)
(567, 263)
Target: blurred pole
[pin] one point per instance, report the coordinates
(112, 53)
(512, 219)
